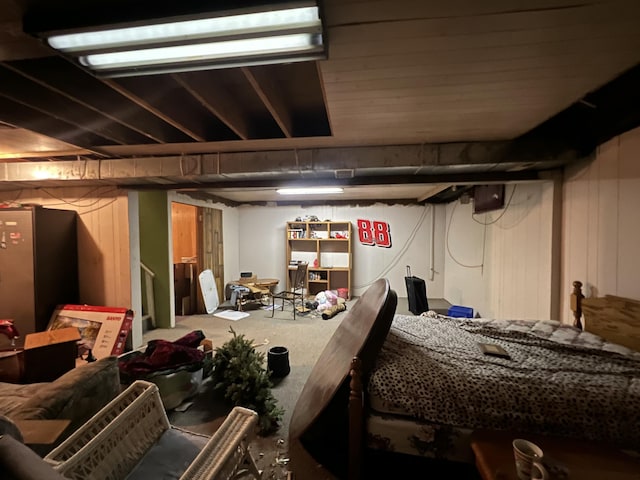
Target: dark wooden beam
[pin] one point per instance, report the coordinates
(50, 104)
(202, 86)
(271, 95)
(23, 116)
(66, 79)
(142, 97)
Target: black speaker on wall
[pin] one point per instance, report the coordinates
(488, 197)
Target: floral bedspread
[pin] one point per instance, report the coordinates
(558, 381)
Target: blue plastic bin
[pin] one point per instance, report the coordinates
(459, 311)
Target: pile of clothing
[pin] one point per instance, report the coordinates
(161, 356)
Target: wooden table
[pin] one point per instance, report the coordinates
(267, 282)
(258, 288)
(584, 460)
(259, 282)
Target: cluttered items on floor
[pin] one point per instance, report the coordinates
(50, 354)
(177, 367)
(209, 290)
(44, 357)
(232, 315)
(329, 304)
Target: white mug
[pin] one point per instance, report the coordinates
(528, 457)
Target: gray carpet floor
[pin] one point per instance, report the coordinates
(305, 338)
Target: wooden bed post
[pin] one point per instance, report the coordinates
(356, 401)
(576, 304)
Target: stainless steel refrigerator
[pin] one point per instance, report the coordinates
(38, 265)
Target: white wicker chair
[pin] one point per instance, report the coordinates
(132, 433)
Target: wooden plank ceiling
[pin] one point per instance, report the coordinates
(401, 72)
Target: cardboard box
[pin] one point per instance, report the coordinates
(184, 287)
(184, 270)
(103, 330)
(49, 354)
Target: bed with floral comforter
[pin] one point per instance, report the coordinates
(432, 385)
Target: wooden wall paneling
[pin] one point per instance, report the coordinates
(575, 223)
(103, 219)
(204, 246)
(352, 11)
(184, 231)
(628, 216)
(210, 246)
(219, 251)
(516, 262)
(601, 227)
(108, 240)
(121, 226)
(103, 239)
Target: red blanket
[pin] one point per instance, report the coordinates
(164, 355)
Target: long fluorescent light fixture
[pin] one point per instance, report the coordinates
(309, 190)
(285, 33)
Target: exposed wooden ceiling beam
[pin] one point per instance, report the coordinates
(51, 103)
(271, 95)
(203, 88)
(67, 80)
(18, 115)
(151, 107)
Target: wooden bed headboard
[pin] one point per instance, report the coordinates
(318, 431)
(616, 319)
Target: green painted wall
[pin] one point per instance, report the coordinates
(154, 250)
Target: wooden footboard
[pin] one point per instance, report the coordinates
(322, 435)
(356, 420)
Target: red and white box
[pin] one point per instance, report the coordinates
(103, 330)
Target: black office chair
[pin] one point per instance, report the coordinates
(295, 295)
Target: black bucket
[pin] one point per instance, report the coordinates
(278, 361)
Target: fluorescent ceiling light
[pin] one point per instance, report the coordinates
(187, 30)
(309, 190)
(285, 33)
(199, 52)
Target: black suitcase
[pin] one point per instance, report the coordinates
(416, 293)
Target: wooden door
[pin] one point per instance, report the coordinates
(210, 249)
(184, 221)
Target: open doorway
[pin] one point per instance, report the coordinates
(197, 245)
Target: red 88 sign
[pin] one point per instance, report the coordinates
(374, 233)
